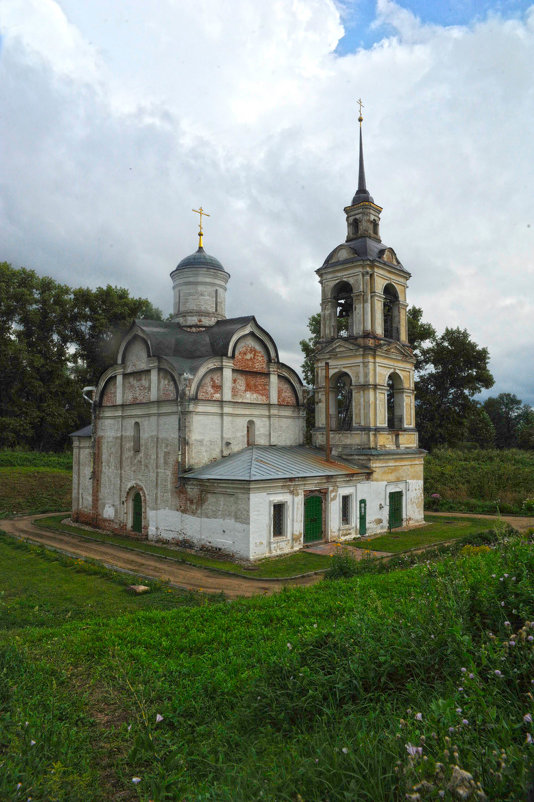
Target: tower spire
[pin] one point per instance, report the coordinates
(362, 195)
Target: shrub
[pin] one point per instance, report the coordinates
(343, 565)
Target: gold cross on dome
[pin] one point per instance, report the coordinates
(360, 118)
(200, 211)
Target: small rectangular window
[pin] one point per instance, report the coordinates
(346, 510)
(279, 519)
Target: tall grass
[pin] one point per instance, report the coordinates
(479, 480)
(358, 688)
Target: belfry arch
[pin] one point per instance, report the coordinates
(341, 402)
(395, 401)
(342, 297)
(391, 312)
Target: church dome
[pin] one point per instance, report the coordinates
(200, 259)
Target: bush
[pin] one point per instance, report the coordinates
(35, 459)
(343, 565)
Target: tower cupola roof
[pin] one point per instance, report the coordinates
(199, 259)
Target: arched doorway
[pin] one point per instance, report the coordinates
(137, 512)
(313, 519)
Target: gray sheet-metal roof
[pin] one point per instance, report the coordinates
(257, 463)
(87, 431)
(199, 259)
(364, 248)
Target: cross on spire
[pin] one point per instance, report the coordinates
(200, 211)
(360, 118)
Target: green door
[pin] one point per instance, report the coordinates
(362, 526)
(395, 509)
(313, 519)
(137, 516)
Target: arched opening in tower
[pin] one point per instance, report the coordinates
(391, 313)
(344, 402)
(343, 299)
(395, 401)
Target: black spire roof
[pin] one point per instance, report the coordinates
(362, 195)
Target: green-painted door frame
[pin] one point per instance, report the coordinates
(395, 509)
(362, 525)
(137, 513)
(313, 519)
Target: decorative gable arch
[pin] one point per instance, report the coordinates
(253, 328)
(135, 333)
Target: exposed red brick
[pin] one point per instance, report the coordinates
(211, 386)
(250, 359)
(250, 387)
(137, 388)
(286, 393)
(166, 386)
(109, 396)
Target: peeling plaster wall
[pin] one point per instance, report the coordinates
(217, 430)
(82, 486)
(216, 518)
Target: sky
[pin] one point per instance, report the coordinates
(118, 118)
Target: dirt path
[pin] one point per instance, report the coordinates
(517, 521)
(189, 577)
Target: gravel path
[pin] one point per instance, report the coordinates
(189, 577)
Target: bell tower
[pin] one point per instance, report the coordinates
(364, 340)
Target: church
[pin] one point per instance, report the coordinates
(198, 430)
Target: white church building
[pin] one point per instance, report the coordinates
(198, 430)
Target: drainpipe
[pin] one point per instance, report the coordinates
(91, 400)
(182, 407)
(327, 408)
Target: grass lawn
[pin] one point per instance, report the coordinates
(275, 567)
(41, 588)
(310, 694)
(29, 489)
(437, 530)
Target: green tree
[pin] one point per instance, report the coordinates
(50, 336)
(479, 429)
(100, 319)
(511, 418)
(309, 349)
(420, 334)
(456, 370)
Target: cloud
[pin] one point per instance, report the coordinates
(118, 122)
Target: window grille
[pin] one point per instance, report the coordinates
(346, 511)
(279, 521)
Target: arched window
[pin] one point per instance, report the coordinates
(343, 298)
(343, 388)
(375, 227)
(136, 437)
(395, 402)
(391, 313)
(251, 433)
(354, 228)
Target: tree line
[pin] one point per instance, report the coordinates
(450, 370)
(54, 340)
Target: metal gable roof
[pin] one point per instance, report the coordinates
(257, 463)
